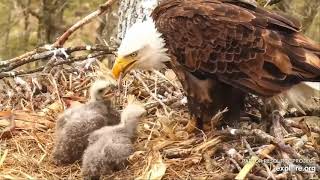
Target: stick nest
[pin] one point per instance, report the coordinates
(165, 149)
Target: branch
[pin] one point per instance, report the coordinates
(302, 126)
(271, 2)
(25, 55)
(64, 37)
(151, 93)
(72, 60)
(263, 136)
(42, 53)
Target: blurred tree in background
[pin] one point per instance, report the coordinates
(306, 11)
(26, 24)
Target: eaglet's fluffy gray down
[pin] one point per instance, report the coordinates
(110, 146)
(75, 124)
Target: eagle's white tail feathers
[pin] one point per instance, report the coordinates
(299, 97)
(314, 85)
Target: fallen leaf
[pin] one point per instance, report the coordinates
(155, 169)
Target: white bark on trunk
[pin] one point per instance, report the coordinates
(131, 11)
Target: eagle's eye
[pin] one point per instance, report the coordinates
(133, 54)
(100, 91)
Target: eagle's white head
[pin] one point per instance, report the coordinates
(142, 48)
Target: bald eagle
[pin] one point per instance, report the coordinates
(221, 50)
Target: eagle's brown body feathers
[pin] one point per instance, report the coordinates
(221, 49)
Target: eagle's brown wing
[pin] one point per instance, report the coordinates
(247, 47)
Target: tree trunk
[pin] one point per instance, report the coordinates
(108, 28)
(120, 18)
(7, 31)
(50, 20)
(131, 11)
(26, 31)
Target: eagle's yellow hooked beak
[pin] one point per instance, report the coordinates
(122, 65)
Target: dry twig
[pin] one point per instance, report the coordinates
(64, 37)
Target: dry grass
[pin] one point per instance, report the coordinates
(164, 148)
